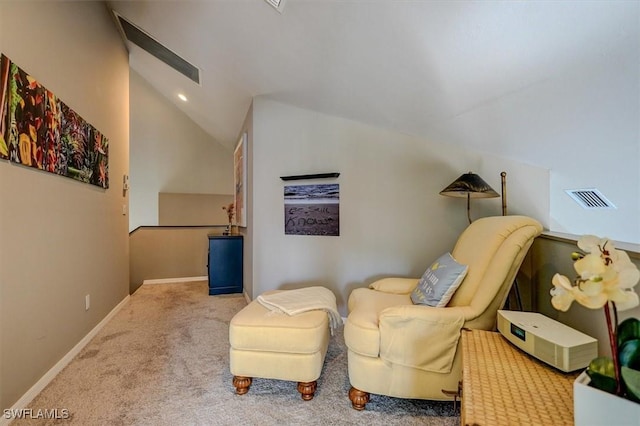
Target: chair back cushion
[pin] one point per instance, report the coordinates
(493, 248)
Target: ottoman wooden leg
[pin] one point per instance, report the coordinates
(307, 389)
(241, 384)
(358, 398)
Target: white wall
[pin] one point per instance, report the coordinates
(582, 123)
(599, 111)
(169, 153)
(61, 239)
(527, 189)
(393, 220)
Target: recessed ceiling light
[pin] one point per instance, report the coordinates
(182, 97)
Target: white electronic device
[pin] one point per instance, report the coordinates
(548, 340)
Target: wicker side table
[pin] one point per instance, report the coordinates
(501, 385)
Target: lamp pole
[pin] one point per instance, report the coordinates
(503, 178)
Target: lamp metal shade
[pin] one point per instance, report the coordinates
(469, 185)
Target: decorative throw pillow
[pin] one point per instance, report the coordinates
(439, 282)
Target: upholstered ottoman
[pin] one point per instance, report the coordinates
(274, 345)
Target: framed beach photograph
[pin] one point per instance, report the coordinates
(240, 180)
(312, 209)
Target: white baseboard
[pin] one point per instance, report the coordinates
(176, 280)
(53, 372)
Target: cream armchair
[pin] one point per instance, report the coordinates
(403, 350)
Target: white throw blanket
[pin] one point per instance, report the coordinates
(294, 302)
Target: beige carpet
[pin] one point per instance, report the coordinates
(163, 360)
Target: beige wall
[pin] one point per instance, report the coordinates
(527, 189)
(62, 239)
(393, 220)
(170, 153)
(192, 209)
(172, 252)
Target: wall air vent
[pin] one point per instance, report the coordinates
(590, 198)
(143, 40)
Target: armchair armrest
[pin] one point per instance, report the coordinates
(421, 337)
(395, 285)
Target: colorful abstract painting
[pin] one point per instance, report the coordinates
(312, 209)
(39, 130)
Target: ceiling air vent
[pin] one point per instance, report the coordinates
(276, 4)
(143, 40)
(590, 198)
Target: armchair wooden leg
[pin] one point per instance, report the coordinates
(307, 390)
(358, 398)
(241, 384)
(455, 395)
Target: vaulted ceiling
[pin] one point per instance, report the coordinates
(475, 73)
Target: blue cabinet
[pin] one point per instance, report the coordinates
(225, 264)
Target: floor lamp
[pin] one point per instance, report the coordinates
(469, 186)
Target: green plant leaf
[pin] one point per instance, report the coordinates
(631, 379)
(628, 329)
(629, 354)
(602, 373)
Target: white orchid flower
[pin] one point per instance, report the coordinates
(628, 276)
(562, 295)
(593, 244)
(628, 273)
(625, 299)
(590, 294)
(605, 274)
(590, 267)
